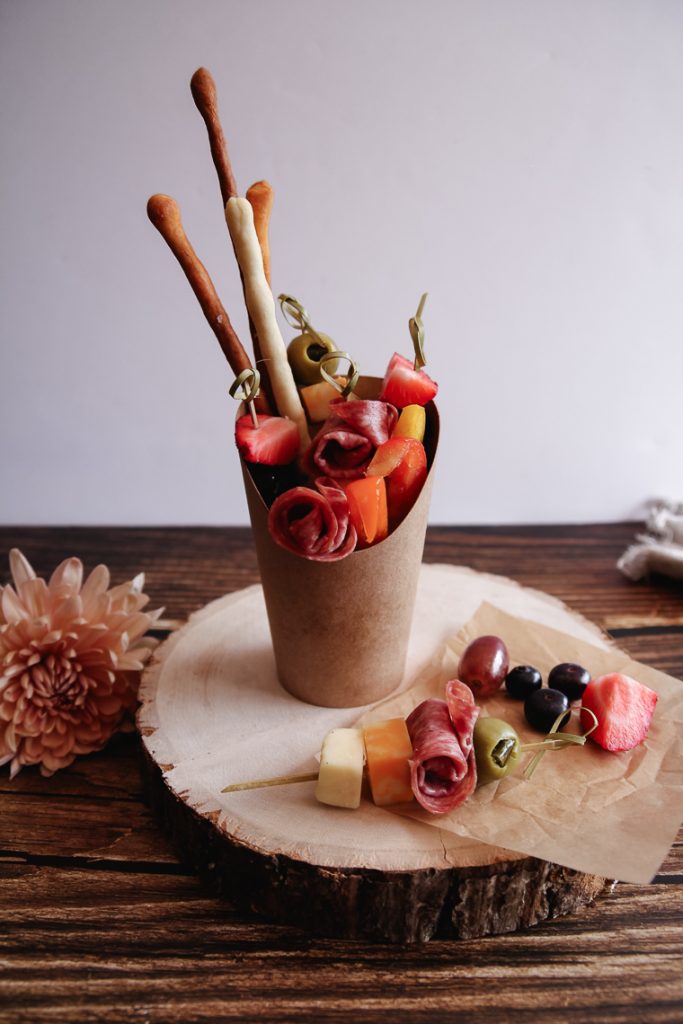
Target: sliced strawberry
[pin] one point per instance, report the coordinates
(402, 385)
(403, 461)
(623, 708)
(274, 443)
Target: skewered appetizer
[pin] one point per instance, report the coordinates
(445, 748)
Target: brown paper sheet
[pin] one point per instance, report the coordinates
(608, 814)
(335, 644)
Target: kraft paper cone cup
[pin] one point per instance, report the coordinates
(340, 630)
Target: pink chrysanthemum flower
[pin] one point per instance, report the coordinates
(70, 655)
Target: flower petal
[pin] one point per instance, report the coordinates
(20, 567)
(12, 609)
(68, 573)
(66, 611)
(97, 583)
(35, 596)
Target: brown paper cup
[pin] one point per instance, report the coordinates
(340, 629)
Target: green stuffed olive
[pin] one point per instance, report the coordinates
(496, 748)
(304, 354)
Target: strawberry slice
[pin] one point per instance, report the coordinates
(403, 385)
(274, 443)
(623, 708)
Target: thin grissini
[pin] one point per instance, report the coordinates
(205, 97)
(261, 307)
(164, 214)
(260, 195)
(204, 94)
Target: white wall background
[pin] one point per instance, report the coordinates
(521, 159)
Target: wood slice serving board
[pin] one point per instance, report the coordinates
(213, 713)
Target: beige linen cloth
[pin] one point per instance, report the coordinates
(660, 549)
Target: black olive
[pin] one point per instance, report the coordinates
(569, 679)
(542, 707)
(522, 680)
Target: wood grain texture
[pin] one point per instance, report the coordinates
(186, 567)
(105, 947)
(102, 938)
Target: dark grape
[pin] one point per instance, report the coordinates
(484, 665)
(542, 707)
(569, 679)
(523, 680)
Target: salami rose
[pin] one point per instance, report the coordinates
(346, 443)
(313, 523)
(443, 770)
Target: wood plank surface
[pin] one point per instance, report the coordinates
(100, 922)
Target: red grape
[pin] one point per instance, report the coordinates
(484, 665)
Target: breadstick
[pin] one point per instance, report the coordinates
(165, 216)
(205, 97)
(261, 306)
(260, 195)
(204, 94)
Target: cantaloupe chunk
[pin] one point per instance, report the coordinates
(367, 500)
(388, 750)
(317, 398)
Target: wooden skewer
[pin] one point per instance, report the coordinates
(280, 780)
(164, 214)
(204, 94)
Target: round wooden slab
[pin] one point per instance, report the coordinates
(213, 714)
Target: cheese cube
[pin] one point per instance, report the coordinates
(341, 768)
(388, 751)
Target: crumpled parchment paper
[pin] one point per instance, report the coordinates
(608, 814)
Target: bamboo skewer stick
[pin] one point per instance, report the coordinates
(280, 780)
(164, 214)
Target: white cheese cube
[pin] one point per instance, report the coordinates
(341, 768)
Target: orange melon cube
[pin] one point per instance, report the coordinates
(387, 751)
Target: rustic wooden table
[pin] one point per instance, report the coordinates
(101, 923)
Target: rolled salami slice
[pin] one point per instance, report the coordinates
(346, 443)
(464, 714)
(313, 523)
(443, 770)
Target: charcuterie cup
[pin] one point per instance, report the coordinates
(340, 629)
